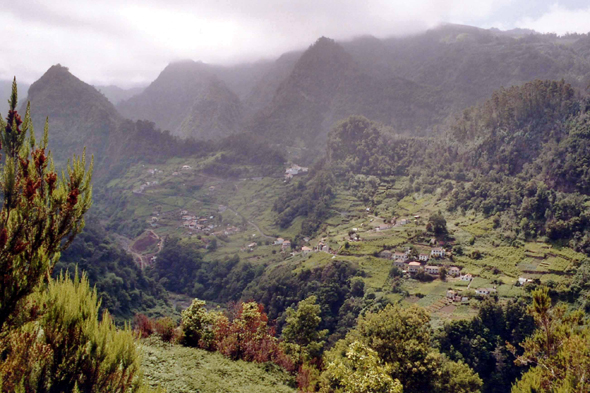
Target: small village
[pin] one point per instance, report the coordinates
(418, 258)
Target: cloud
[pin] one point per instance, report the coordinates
(128, 42)
(559, 20)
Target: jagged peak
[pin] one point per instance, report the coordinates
(59, 80)
(324, 42)
(56, 75)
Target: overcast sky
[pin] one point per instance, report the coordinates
(130, 42)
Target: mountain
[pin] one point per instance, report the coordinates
(115, 94)
(78, 114)
(188, 100)
(328, 84)
(263, 91)
(467, 64)
(413, 84)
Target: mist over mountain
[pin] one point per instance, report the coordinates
(412, 84)
(116, 94)
(189, 100)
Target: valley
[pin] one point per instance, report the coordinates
(414, 208)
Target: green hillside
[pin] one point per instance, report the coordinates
(183, 370)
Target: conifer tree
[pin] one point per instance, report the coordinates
(41, 211)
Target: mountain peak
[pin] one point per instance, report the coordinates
(324, 41)
(79, 115)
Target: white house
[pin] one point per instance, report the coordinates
(413, 267)
(186, 167)
(305, 250)
(423, 257)
(522, 281)
(454, 271)
(485, 291)
(433, 270)
(400, 256)
(466, 277)
(279, 241)
(437, 252)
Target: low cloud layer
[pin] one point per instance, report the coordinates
(560, 20)
(130, 42)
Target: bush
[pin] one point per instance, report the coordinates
(198, 326)
(248, 337)
(68, 349)
(143, 325)
(166, 328)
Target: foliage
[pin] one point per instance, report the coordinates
(186, 370)
(249, 337)
(401, 339)
(558, 351)
(280, 289)
(180, 268)
(438, 224)
(301, 326)
(68, 348)
(41, 213)
(309, 198)
(242, 334)
(166, 329)
(143, 325)
(124, 288)
(481, 342)
(361, 371)
(357, 145)
(198, 325)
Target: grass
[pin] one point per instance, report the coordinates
(180, 369)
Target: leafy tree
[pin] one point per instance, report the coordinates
(198, 325)
(401, 339)
(302, 326)
(361, 371)
(481, 342)
(442, 274)
(438, 224)
(357, 287)
(212, 245)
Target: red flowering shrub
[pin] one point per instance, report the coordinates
(143, 325)
(166, 328)
(249, 337)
